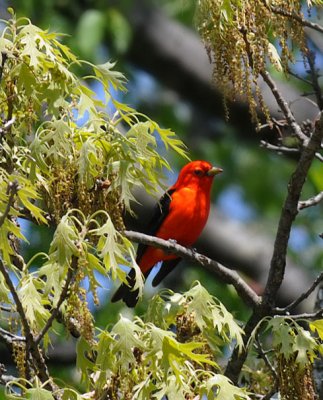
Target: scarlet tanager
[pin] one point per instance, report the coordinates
(180, 215)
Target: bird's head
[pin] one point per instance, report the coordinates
(197, 174)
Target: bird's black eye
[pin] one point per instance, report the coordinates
(198, 172)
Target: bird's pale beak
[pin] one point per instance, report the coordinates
(214, 171)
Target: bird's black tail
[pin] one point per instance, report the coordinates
(126, 292)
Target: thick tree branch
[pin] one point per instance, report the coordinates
(289, 212)
(226, 275)
(278, 262)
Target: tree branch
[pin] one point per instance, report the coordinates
(4, 379)
(264, 356)
(12, 190)
(279, 149)
(3, 61)
(302, 297)
(289, 212)
(313, 201)
(224, 274)
(34, 349)
(297, 18)
(9, 337)
(62, 298)
(17, 301)
(286, 150)
(314, 76)
(278, 261)
(7, 125)
(284, 107)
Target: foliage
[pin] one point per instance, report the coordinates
(67, 161)
(170, 353)
(71, 161)
(66, 169)
(261, 34)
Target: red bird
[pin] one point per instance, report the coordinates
(181, 215)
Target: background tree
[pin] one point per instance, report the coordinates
(148, 28)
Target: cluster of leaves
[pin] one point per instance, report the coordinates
(60, 163)
(66, 160)
(260, 33)
(283, 351)
(154, 358)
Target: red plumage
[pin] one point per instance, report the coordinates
(181, 215)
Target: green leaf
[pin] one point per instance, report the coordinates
(90, 164)
(25, 195)
(63, 245)
(39, 394)
(175, 354)
(29, 35)
(84, 361)
(317, 326)
(33, 302)
(200, 303)
(107, 74)
(219, 387)
(170, 389)
(126, 335)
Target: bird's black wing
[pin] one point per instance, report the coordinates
(160, 213)
(125, 292)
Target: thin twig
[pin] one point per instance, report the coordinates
(12, 190)
(34, 350)
(302, 297)
(292, 73)
(297, 18)
(313, 201)
(6, 309)
(9, 337)
(7, 125)
(285, 150)
(270, 394)
(284, 107)
(307, 316)
(279, 149)
(17, 301)
(264, 356)
(225, 274)
(5, 379)
(62, 298)
(4, 59)
(314, 76)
